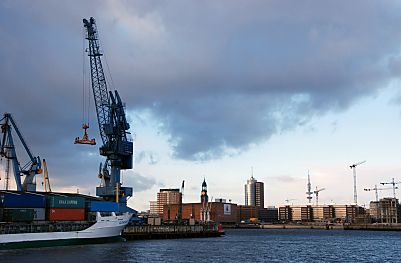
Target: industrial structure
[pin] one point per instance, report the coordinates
(353, 167)
(309, 190)
(8, 151)
(117, 146)
(393, 184)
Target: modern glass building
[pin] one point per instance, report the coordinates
(254, 193)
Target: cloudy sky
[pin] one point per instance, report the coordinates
(213, 88)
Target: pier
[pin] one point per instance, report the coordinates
(134, 232)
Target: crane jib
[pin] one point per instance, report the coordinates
(113, 125)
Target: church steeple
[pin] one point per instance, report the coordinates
(204, 196)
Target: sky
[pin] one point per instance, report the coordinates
(213, 88)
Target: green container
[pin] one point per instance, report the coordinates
(18, 215)
(65, 202)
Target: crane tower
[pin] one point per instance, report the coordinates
(113, 126)
(353, 167)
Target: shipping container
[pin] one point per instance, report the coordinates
(18, 214)
(39, 214)
(102, 206)
(21, 200)
(60, 201)
(66, 214)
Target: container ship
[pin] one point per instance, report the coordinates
(29, 218)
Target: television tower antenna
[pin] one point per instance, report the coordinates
(309, 190)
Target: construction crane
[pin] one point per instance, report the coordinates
(378, 189)
(393, 183)
(46, 180)
(113, 126)
(309, 190)
(316, 192)
(353, 167)
(7, 150)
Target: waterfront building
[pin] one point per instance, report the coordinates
(204, 197)
(254, 193)
(386, 210)
(218, 212)
(205, 208)
(285, 213)
(169, 196)
(322, 213)
(154, 208)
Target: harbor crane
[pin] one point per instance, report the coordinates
(46, 180)
(116, 146)
(353, 167)
(393, 183)
(316, 192)
(378, 189)
(7, 150)
(309, 190)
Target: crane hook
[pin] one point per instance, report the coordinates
(85, 137)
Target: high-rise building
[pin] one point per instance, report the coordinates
(167, 197)
(204, 196)
(254, 193)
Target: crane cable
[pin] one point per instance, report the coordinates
(85, 86)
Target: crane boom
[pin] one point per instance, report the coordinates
(378, 189)
(99, 85)
(393, 183)
(113, 125)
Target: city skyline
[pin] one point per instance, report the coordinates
(210, 91)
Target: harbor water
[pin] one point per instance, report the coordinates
(238, 245)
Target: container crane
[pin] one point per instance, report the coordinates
(7, 150)
(316, 192)
(113, 126)
(353, 167)
(378, 189)
(393, 183)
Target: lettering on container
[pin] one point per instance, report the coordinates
(68, 202)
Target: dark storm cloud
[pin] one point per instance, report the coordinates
(217, 76)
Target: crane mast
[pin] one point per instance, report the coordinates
(113, 126)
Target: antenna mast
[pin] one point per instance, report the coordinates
(309, 190)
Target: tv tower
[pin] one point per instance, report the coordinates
(309, 190)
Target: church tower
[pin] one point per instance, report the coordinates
(204, 196)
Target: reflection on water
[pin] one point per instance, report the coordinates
(235, 246)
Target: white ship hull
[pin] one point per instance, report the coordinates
(104, 229)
